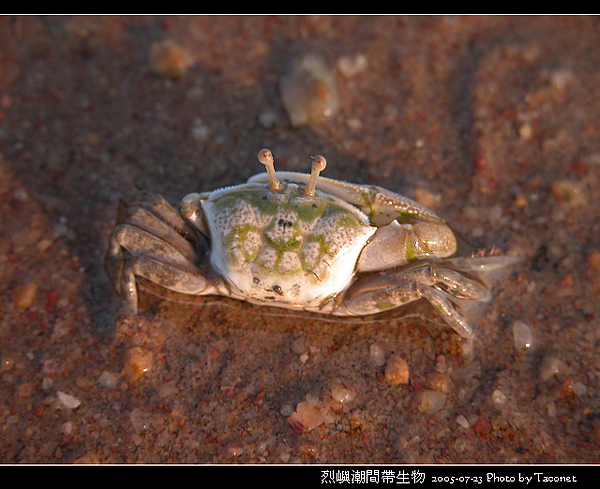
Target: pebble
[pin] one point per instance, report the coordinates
(579, 389)
(87, 459)
(431, 401)
(168, 58)
(309, 91)
(200, 131)
(68, 427)
(439, 382)
(499, 397)
(350, 66)
(233, 451)
(377, 354)
(108, 379)
(560, 78)
(568, 190)
(526, 131)
(462, 421)
(138, 363)
(286, 409)
(396, 370)
(594, 268)
(308, 415)
(267, 118)
(23, 295)
(139, 420)
(342, 394)
(67, 400)
(522, 336)
(550, 367)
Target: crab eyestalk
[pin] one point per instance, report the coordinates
(318, 165)
(266, 158)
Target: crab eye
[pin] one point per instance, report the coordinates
(318, 165)
(266, 158)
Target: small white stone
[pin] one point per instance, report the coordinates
(550, 367)
(462, 421)
(139, 420)
(522, 336)
(200, 132)
(579, 389)
(67, 400)
(499, 397)
(350, 66)
(377, 354)
(68, 427)
(342, 395)
(561, 78)
(308, 415)
(309, 91)
(47, 383)
(286, 410)
(108, 379)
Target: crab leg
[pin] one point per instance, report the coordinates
(404, 292)
(380, 292)
(168, 276)
(451, 282)
(152, 241)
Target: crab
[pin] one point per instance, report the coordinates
(297, 241)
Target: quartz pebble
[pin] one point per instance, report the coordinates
(462, 421)
(342, 395)
(308, 415)
(286, 410)
(499, 397)
(168, 58)
(108, 379)
(439, 382)
(396, 370)
(550, 367)
(309, 91)
(67, 400)
(68, 427)
(350, 66)
(571, 191)
(377, 354)
(138, 363)
(139, 420)
(431, 401)
(24, 295)
(522, 336)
